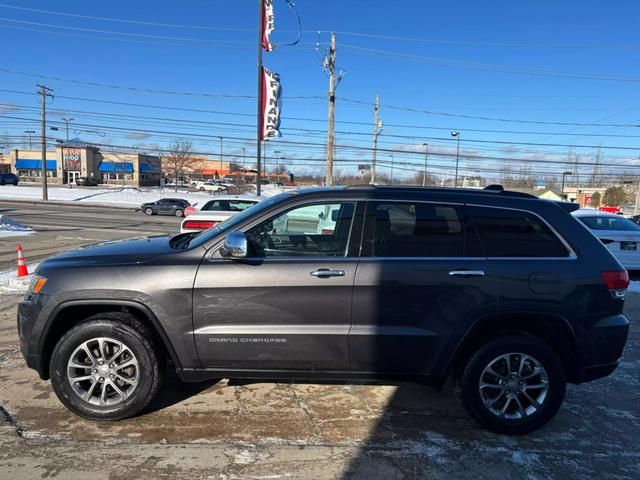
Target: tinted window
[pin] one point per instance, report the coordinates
(416, 230)
(302, 231)
(227, 205)
(514, 233)
(609, 223)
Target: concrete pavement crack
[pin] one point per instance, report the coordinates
(8, 418)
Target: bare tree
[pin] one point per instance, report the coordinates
(177, 159)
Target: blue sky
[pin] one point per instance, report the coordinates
(501, 60)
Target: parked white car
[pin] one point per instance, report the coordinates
(216, 211)
(210, 186)
(620, 235)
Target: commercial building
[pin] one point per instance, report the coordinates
(67, 163)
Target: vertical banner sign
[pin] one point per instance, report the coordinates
(271, 91)
(268, 25)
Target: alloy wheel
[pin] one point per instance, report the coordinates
(514, 386)
(103, 371)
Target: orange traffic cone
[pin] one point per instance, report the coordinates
(22, 266)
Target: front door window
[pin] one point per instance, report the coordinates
(311, 231)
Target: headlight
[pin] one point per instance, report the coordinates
(35, 287)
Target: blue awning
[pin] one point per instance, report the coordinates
(149, 168)
(35, 164)
(115, 167)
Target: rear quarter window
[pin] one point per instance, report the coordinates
(515, 233)
(609, 223)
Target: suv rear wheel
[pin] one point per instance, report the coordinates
(512, 385)
(106, 368)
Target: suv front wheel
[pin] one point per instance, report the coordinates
(106, 368)
(512, 385)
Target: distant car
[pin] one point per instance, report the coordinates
(8, 179)
(166, 206)
(216, 211)
(86, 182)
(210, 186)
(620, 235)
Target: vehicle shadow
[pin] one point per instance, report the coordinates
(174, 391)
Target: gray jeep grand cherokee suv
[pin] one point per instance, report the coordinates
(507, 294)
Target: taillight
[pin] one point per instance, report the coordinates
(326, 231)
(618, 280)
(199, 224)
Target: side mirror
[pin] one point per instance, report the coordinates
(235, 246)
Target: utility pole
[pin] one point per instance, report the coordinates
(44, 93)
(260, 85)
(636, 208)
(376, 132)
(331, 65)
(426, 161)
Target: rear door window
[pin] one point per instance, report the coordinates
(414, 229)
(515, 233)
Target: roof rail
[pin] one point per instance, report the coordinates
(494, 188)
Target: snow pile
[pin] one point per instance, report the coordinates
(634, 287)
(11, 284)
(126, 197)
(11, 228)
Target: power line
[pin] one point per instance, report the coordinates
(443, 62)
(121, 20)
(122, 87)
(128, 34)
(345, 99)
(359, 148)
(479, 43)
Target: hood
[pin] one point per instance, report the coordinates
(119, 252)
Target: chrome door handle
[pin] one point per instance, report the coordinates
(466, 273)
(327, 272)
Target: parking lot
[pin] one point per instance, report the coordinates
(227, 429)
(60, 227)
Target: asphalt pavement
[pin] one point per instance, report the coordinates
(61, 226)
(229, 430)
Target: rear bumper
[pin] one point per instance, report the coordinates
(603, 346)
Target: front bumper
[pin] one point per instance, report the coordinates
(28, 312)
(603, 346)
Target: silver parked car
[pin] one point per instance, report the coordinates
(620, 235)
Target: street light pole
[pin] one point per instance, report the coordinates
(457, 135)
(391, 182)
(564, 175)
(220, 138)
(66, 148)
(426, 161)
(29, 132)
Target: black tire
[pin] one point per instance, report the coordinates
(122, 328)
(149, 211)
(468, 379)
(179, 212)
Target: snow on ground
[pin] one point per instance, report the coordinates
(11, 228)
(113, 196)
(634, 287)
(11, 284)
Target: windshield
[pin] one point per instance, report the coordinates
(610, 223)
(228, 225)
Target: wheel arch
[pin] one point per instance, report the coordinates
(68, 314)
(553, 329)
